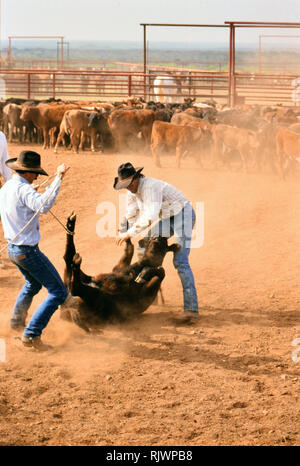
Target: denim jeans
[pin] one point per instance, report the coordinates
(181, 226)
(38, 271)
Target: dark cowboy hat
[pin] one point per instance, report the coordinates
(27, 161)
(126, 173)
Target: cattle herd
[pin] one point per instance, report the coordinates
(254, 138)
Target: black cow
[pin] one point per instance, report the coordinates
(98, 123)
(126, 292)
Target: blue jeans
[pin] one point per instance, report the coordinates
(38, 271)
(181, 226)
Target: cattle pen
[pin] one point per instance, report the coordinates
(233, 86)
(227, 138)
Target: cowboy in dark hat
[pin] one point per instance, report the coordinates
(20, 206)
(27, 162)
(149, 199)
(126, 174)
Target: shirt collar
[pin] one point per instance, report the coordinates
(20, 178)
(141, 182)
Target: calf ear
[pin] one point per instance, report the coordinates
(174, 247)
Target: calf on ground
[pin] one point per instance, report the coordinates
(122, 294)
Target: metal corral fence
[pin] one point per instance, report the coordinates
(108, 85)
(267, 89)
(114, 85)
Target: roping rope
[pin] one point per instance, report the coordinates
(35, 214)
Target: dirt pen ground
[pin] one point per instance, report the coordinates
(228, 380)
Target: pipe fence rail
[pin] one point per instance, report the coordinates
(248, 88)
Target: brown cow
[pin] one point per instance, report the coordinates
(227, 138)
(45, 117)
(81, 123)
(284, 116)
(266, 149)
(12, 123)
(129, 123)
(181, 139)
(184, 119)
(287, 149)
(122, 294)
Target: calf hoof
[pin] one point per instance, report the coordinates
(77, 259)
(161, 272)
(71, 222)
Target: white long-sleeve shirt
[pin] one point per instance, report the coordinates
(4, 170)
(19, 201)
(153, 199)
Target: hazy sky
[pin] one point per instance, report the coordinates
(120, 19)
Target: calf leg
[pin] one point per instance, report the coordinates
(70, 252)
(93, 139)
(70, 249)
(59, 139)
(146, 275)
(11, 131)
(82, 140)
(151, 288)
(244, 153)
(46, 138)
(125, 260)
(89, 294)
(155, 154)
(75, 140)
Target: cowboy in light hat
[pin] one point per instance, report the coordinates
(149, 199)
(19, 203)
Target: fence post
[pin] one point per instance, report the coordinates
(129, 85)
(234, 96)
(28, 86)
(53, 85)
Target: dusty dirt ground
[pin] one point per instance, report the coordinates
(228, 380)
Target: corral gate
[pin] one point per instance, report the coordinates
(262, 88)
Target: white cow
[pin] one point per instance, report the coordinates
(171, 86)
(296, 91)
